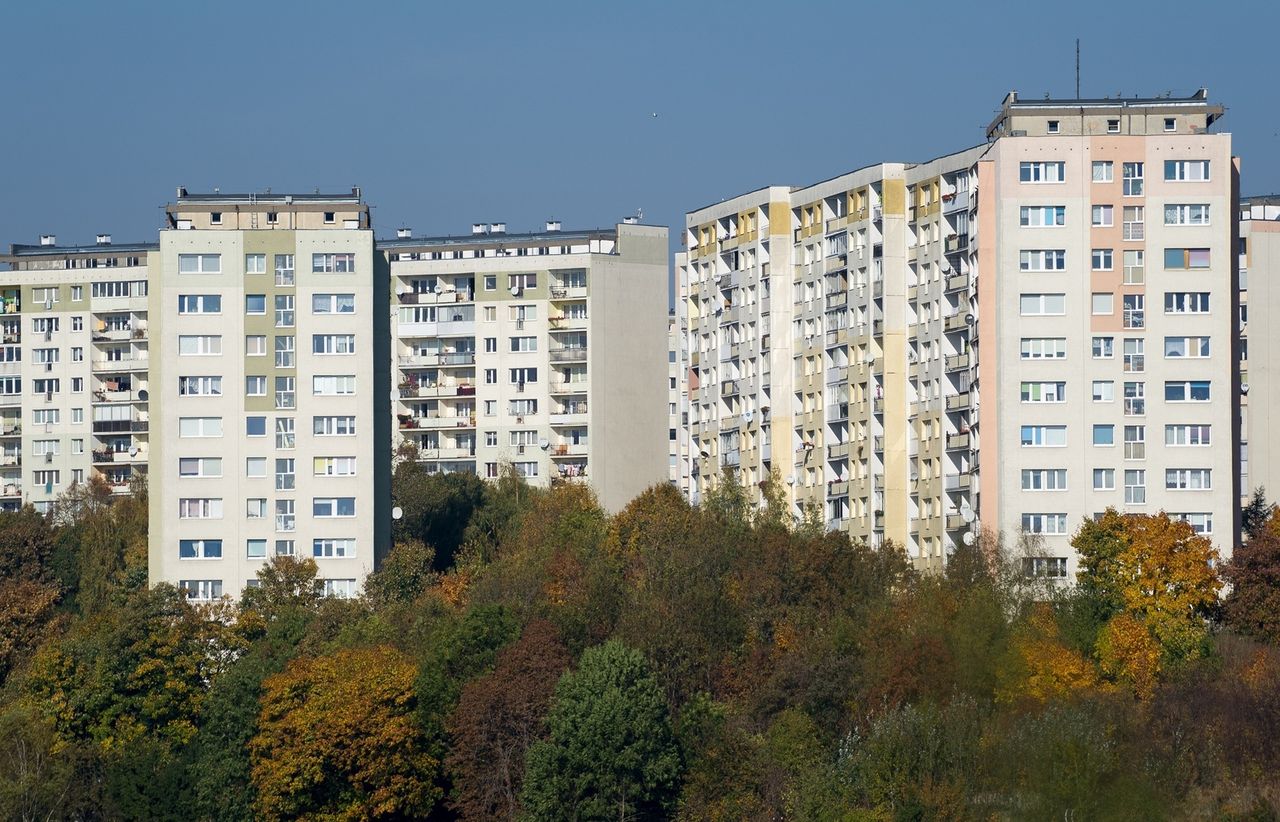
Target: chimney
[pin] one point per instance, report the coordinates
(553, 225)
(479, 228)
(104, 239)
(404, 233)
(48, 239)
(499, 228)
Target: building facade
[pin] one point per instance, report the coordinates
(1259, 261)
(544, 351)
(265, 424)
(998, 339)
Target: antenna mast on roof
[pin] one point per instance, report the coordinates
(1077, 68)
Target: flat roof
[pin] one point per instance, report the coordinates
(23, 250)
(552, 237)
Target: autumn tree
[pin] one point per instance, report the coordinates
(436, 508)
(610, 752)
(1253, 605)
(404, 575)
(498, 716)
(337, 739)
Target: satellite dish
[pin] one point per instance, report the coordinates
(544, 444)
(397, 512)
(791, 480)
(969, 319)
(968, 538)
(133, 452)
(966, 511)
(1244, 388)
(438, 289)
(142, 394)
(515, 291)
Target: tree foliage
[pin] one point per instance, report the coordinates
(1253, 605)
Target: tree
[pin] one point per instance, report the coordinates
(36, 779)
(404, 575)
(1042, 666)
(1253, 605)
(1255, 516)
(436, 508)
(610, 751)
(285, 584)
(1130, 655)
(25, 608)
(498, 716)
(337, 739)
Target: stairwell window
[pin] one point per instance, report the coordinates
(1042, 260)
(1186, 214)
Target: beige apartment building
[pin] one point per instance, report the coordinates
(544, 351)
(1010, 338)
(73, 369)
(1259, 261)
(269, 435)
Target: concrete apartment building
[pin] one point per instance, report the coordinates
(545, 351)
(1259, 261)
(996, 339)
(268, 433)
(678, 463)
(73, 369)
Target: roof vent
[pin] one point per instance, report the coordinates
(479, 228)
(104, 239)
(553, 225)
(631, 220)
(404, 233)
(499, 228)
(48, 239)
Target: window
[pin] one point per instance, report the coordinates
(1044, 348)
(322, 507)
(286, 516)
(515, 282)
(1135, 442)
(1042, 260)
(284, 269)
(1131, 178)
(1102, 260)
(333, 385)
(1134, 222)
(1103, 171)
(1134, 311)
(333, 263)
(1103, 216)
(199, 263)
(1050, 524)
(490, 408)
(333, 426)
(1104, 435)
(1044, 479)
(200, 426)
(255, 508)
(1179, 259)
(284, 347)
(1194, 214)
(285, 474)
(491, 282)
(490, 313)
(201, 589)
(1044, 567)
(1135, 402)
(336, 588)
(1190, 347)
(1103, 348)
(286, 392)
(284, 548)
(333, 303)
(1052, 127)
(255, 426)
(255, 548)
(524, 343)
(1134, 268)
(45, 416)
(1041, 172)
(1186, 302)
(1104, 391)
(77, 293)
(491, 376)
(1187, 435)
(200, 549)
(1044, 392)
(1170, 124)
(334, 466)
(1103, 303)
(1036, 305)
(333, 343)
(526, 469)
(255, 264)
(255, 345)
(1135, 487)
(255, 303)
(255, 466)
(48, 387)
(285, 432)
(200, 386)
(333, 548)
(1044, 436)
(197, 508)
(255, 386)
(524, 408)
(330, 216)
(199, 304)
(1187, 479)
(1201, 524)
(215, 218)
(520, 376)
(1188, 391)
(490, 439)
(1104, 479)
(284, 311)
(194, 345)
(1185, 171)
(1041, 216)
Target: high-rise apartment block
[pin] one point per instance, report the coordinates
(1012, 337)
(544, 351)
(1259, 260)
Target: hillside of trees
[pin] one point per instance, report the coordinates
(523, 655)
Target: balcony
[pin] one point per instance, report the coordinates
(573, 415)
(956, 243)
(958, 402)
(430, 298)
(955, 522)
(838, 488)
(119, 333)
(569, 354)
(567, 292)
(565, 322)
(877, 405)
(838, 451)
(11, 430)
(836, 262)
(957, 362)
(10, 460)
(956, 201)
(836, 299)
(12, 489)
(957, 282)
(569, 449)
(409, 422)
(452, 453)
(450, 389)
(104, 396)
(956, 322)
(568, 386)
(956, 482)
(119, 426)
(957, 442)
(122, 364)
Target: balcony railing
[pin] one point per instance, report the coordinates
(569, 354)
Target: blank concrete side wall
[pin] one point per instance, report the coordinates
(629, 366)
(1264, 354)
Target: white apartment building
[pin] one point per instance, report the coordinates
(269, 436)
(73, 369)
(678, 464)
(543, 350)
(997, 339)
(1259, 260)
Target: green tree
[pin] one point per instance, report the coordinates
(610, 751)
(1255, 515)
(405, 574)
(337, 739)
(1253, 605)
(436, 508)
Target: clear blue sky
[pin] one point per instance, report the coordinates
(450, 113)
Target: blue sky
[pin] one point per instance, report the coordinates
(452, 113)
